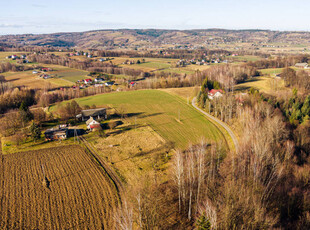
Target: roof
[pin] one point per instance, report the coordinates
(87, 80)
(89, 120)
(93, 112)
(304, 64)
(214, 91)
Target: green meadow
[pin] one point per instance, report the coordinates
(169, 115)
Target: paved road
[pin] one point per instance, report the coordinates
(224, 125)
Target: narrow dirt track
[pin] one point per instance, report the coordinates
(224, 125)
(108, 170)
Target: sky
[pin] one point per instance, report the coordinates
(42, 16)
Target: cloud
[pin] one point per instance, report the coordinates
(11, 26)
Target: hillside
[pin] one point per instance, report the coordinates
(154, 37)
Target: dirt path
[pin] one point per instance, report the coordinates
(224, 125)
(108, 170)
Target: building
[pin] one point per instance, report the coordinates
(109, 83)
(99, 80)
(94, 113)
(92, 124)
(215, 93)
(302, 65)
(88, 81)
(57, 133)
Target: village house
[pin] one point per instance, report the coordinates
(99, 80)
(109, 83)
(93, 124)
(94, 113)
(215, 93)
(302, 65)
(88, 81)
(58, 133)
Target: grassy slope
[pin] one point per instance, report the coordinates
(160, 110)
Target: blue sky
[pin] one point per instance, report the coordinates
(39, 16)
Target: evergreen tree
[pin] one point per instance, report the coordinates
(306, 107)
(203, 223)
(35, 131)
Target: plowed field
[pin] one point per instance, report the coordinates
(80, 195)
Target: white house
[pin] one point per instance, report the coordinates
(213, 93)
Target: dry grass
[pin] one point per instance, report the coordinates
(29, 80)
(133, 152)
(185, 92)
(269, 85)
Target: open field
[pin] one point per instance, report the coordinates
(28, 79)
(184, 92)
(3, 55)
(270, 85)
(132, 150)
(61, 76)
(76, 195)
(161, 111)
(68, 74)
(245, 58)
(271, 71)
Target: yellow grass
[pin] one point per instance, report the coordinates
(185, 92)
(28, 79)
(269, 85)
(131, 152)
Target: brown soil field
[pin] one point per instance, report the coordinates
(77, 194)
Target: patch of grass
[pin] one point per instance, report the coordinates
(28, 79)
(184, 92)
(268, 85)
(271, 71)
(132, 152)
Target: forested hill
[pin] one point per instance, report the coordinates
(154, 37)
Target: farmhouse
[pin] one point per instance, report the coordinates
(302, 65)
(88, 81)
(99, 79)
(97, 113)
(92, 124)
(109, 83)
(57, 133)
(215, 93)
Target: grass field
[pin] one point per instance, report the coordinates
(245, 58)
(132, 151)
(78, 194)
(271, 71)
(28, 79)
(62, 76)
(68, 74)
(161, 111)
(186, 93)
(268, 85)
(3, 55)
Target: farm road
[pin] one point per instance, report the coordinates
(214, 119)
(109, 171)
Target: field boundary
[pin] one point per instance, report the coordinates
(107, 169)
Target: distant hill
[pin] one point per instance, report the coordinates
(154, 37)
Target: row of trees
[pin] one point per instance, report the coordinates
(229, 75)
(7, 66)
(279, 62)
(299, 79)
